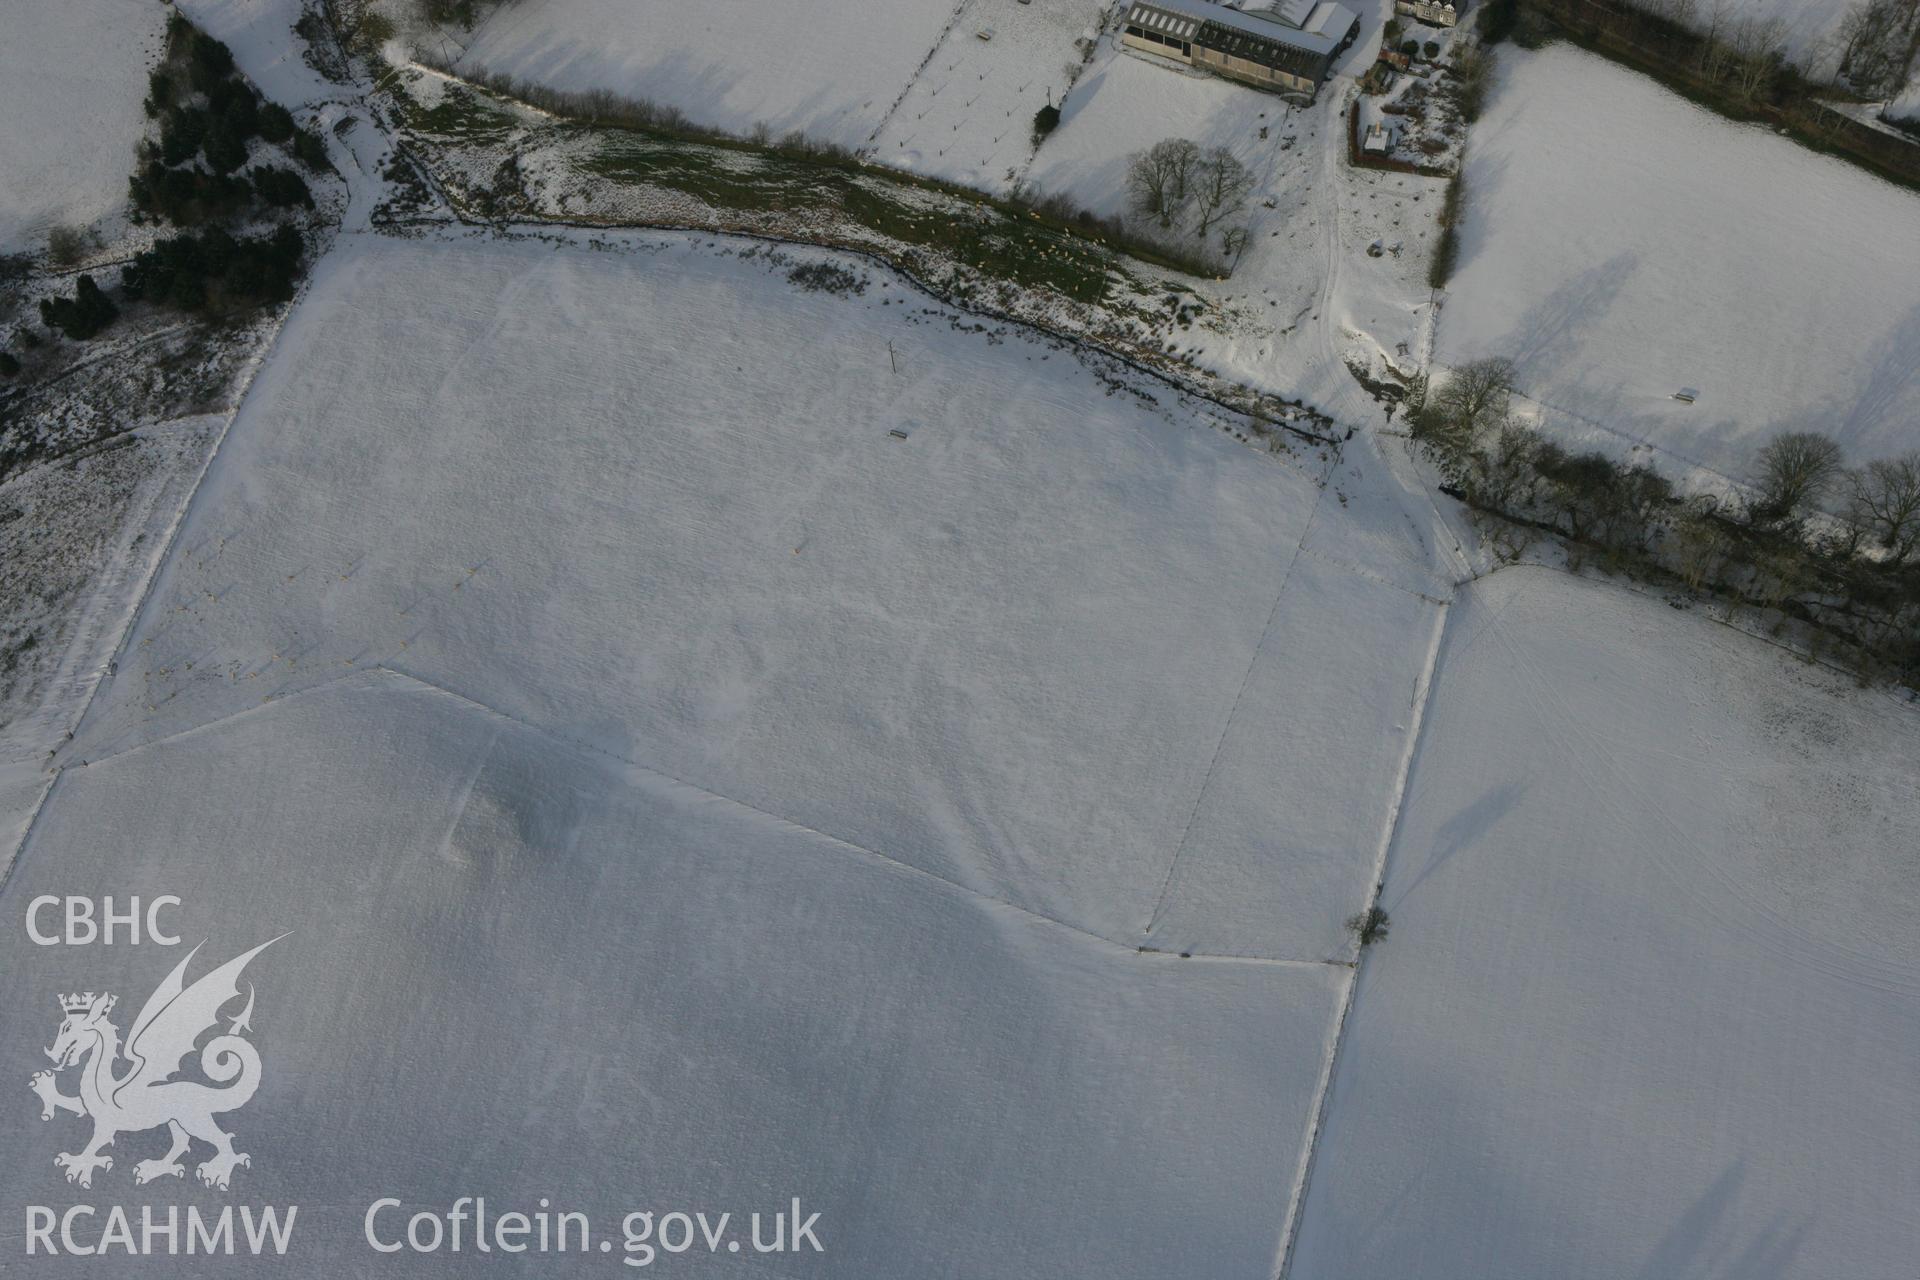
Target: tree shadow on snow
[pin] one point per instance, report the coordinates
(1464, 829)
(1694, 1248)
(1550, 332)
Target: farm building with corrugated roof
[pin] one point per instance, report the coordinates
(1290, 47)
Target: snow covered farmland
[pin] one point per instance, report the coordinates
(1332, 277)
(1306, 294)
(1784, 285)
(828, 68)
(1087, 574)
(521, 968)
(717, 724)
(1651, 1006)
(756, 803)
(75, 73)
(21, 786)
(1126, 103)
(764, 800)
(968, 116)
(78, 538)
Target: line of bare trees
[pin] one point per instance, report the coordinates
(1873, 48)
(1833, 546)
(1877, 46)
(1730, 46)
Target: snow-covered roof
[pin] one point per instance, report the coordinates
(1293, 13)
(1167, 19)
(1330, 20)
(1263, 24)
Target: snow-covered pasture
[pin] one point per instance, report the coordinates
(831, 69)
(645, 744)
(1127, 102)
(650, 503)
(968, 115)
(22, 783)
(1782, 284)
(519, 969)
(1651, 1002)
(73, 75)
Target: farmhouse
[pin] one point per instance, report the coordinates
(1289, 47)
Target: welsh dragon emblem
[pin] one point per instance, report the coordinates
(146, 1095)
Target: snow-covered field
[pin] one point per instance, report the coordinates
(22, 783)
(1651, 1003)
(826, 67)
(519, 968)
(713, 739)
(1333, 273)
(645, 746)
(78, 539)
(756, 804)
(1784, 285)
(74, 74)
(1305, 294)
(1127, 102)
(680, 537)
(968, 115)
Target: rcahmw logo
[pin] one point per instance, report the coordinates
(150, 1091)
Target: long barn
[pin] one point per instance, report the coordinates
(1290, 47)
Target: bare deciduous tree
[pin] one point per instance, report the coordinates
(1880, 44)
(1220, 187)
(1474, 398)
(1700, 544)
(1472, 77)
(1505, 474)
(1757, 58)
(1883, 500)
(1780, 572)
(1796, 468)
(1160, 179)
(1715, 52)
